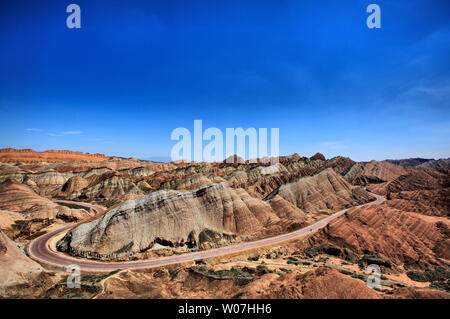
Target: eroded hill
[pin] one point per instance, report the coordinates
(160, 209)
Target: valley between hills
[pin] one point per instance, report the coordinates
(307, 228)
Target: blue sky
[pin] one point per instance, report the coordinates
(137, 70)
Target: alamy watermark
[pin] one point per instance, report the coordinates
(74, 279)
(190, 146)
(374, 279)
(74, 19)
(374, 19)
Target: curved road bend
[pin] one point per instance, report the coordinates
(39, 248)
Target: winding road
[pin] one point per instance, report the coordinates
(41, 251)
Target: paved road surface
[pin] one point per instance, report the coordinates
(39, 249)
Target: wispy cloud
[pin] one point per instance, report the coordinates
(65, 133)
(72, 132)
(334, 145)
(33, 130)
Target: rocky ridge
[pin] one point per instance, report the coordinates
(177, 218)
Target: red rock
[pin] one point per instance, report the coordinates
(29, 156)
(318, 156)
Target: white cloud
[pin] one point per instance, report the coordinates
(33, 129)
(72, 132)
